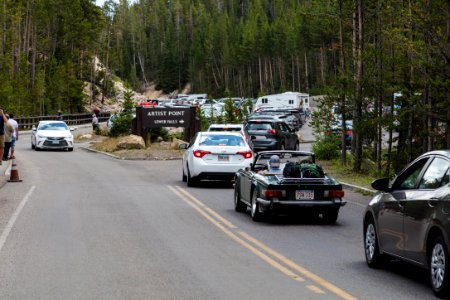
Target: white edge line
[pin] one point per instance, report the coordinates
(14, 217)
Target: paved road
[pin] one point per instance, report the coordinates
(86, 226)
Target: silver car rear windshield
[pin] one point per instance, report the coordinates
(221, 140)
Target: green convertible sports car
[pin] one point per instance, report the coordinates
(285, 182)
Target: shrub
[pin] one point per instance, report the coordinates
(327, 148)
(159, 132)
(121, 125)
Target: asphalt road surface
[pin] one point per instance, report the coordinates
(83, 225)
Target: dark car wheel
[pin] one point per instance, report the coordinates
(256, 213)
(440, 268)
(33, 146)
(191, 181)
(330, 216)
(184, 177)
(239, 206)
(70, 149)
(374, 258)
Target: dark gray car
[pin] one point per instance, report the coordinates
(410, 219)
(271, 134)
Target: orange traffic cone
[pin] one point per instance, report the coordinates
(14, 173)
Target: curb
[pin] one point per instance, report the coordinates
(3, 178)
(101, 152)
(356, 188)
(125, 158)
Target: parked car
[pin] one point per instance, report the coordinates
(52, 135)
(284, 191)
(214, 155)
(336, 129)
(236, 101)
(232, 127)
(296, 112)
(211, 110)
(271, 134)
(289, 119)
(409, 219)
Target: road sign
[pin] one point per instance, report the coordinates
(165, 117)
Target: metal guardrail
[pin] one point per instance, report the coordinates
(27, 123)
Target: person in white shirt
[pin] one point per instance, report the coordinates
(15, 135)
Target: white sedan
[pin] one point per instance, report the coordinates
(52, 135)
(215, 156)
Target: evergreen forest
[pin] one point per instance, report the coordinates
(360, 53)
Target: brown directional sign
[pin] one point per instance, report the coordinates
(155, 117)
(165, 117)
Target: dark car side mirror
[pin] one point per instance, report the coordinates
(381, 184)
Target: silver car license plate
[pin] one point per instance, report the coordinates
(223, 158)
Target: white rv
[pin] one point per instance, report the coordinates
(284, 100)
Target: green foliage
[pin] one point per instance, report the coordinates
(231, 113)
(327, 148)
(128, 100)
(177, 135)
(121, 125)
(159, 132)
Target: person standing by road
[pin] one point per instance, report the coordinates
(9, 132)
(15, 136)
(3, 120)
(94, 122)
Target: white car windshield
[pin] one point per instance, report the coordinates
(53, 126)
(221, 140)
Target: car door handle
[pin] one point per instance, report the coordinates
(433, 202)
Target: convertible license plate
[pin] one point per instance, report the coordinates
(223, 158)
(304, 195)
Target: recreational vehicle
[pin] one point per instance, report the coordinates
(284, 100)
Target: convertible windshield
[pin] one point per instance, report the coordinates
(53, 126)
(285, 157)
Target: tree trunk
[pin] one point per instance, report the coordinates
(358, 30)
(343, 75)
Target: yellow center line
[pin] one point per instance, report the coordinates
(308, 274)
(212, 212)
(315, 289)
(255, 251)
(195, 203)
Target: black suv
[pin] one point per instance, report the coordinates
(271, 134)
